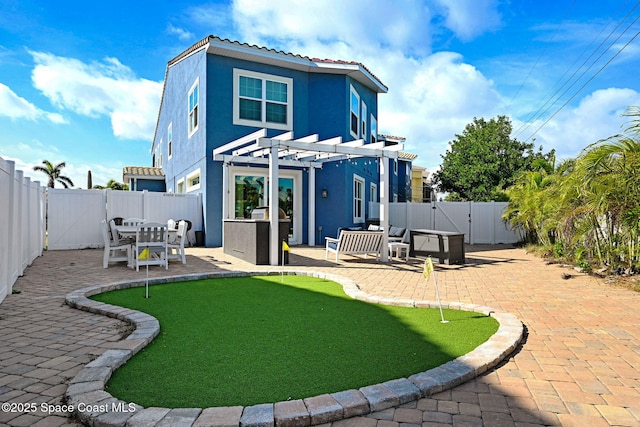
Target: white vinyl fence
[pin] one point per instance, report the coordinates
(22, 224)
(74, 215)
(33, 217)
(480, 222)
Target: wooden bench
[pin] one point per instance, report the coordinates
(354, 243)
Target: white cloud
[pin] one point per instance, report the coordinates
(431, 99)
(598, 116)
(16, 107)
(470, 18)
(359, 24)
(98, 89)
(180, 32)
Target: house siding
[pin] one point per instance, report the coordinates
(321, 105)
(188, 152)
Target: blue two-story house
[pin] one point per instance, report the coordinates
(218, 91)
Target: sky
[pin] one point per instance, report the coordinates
(81, 82)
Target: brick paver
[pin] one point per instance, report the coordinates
(579, 363)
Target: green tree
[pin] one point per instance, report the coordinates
(54, 173)
(112, 184)
(484, 160)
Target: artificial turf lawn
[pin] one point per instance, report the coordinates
(249, 340)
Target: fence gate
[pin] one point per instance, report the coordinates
(481, 222)
(454, 216)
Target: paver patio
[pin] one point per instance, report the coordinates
(579, 364)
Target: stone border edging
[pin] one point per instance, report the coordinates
(86, 389)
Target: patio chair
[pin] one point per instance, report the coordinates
(398, 234)
(178, 245)
(172, 226)
(115, 236)
(151, 245)
(189, 225)
(113, 250)
(118, 220)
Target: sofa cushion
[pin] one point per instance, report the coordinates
(396, 231)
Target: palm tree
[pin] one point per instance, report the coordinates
(112, 184)
(54, 173)
(611, 185)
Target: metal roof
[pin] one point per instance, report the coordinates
(253, 53)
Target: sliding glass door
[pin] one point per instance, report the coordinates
(251, 190)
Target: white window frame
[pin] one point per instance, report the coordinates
(263, 122)
(374, 129)
(193, 117)
(180, 189)
(190, 177)
(373, 192)
(170, 141)
(358, 202)
(363, 128)
(352, 93)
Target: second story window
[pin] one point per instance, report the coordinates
(354, 113)
(262, 100)
(374, 130)
(364, 122)
(194, 102)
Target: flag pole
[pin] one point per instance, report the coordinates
(435, 282)
(285, 248)
(146, 284)
(427, 272)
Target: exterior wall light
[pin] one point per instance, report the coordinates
(324, 193)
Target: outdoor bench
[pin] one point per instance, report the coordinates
(354, 243)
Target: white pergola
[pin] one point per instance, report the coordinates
(307, 152)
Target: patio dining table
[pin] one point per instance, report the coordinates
(129, 231)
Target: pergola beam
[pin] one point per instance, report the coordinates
(352, 147)
(240, 141)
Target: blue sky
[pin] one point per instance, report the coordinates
(80, 82)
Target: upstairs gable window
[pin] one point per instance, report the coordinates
(262, 100)
(194, 102)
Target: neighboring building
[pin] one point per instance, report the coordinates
(218, 91)
(422, 190)
(140, 178)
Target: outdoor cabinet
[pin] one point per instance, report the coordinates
(446, 245)
(249, 239)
